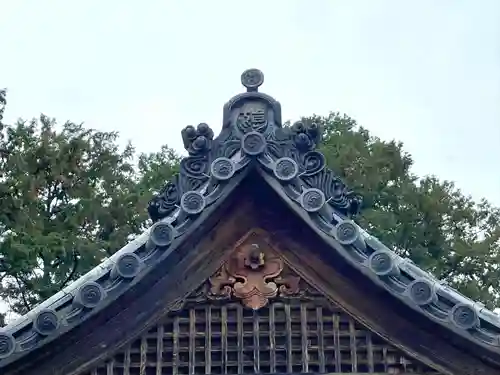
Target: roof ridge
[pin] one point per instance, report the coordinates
(252, 136)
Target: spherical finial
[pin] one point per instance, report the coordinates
(252, 79)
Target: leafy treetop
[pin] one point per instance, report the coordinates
(69, 197)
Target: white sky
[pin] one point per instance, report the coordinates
(426, 73)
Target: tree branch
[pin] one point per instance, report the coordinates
(23, 295)
(73, 270)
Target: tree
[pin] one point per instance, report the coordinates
(68, 198)
(427, 220)
(155, 169)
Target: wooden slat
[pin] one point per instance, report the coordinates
(144, 353)
(336, 341)
(109, 367)
(369, 345)
(353, 346)
(126, 362)
(272, 338)
(208, 340)
(321, 339)
(306, 332)
(192, 336)
(384, 359)
(288, 338)
(239, 310)
(159, 349)
(304, 340)
(256, 342)
(224, 338)
(175, 351)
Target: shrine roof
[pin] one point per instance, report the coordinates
(252, 138)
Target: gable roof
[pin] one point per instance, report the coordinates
(284, 299)
(252, 138)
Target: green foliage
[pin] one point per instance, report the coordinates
(3, 102)
(427, 220)
(68, 198)
(156, 168)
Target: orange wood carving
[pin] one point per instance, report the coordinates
(253, 275)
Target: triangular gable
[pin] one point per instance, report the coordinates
(257, 315)
(252, 149)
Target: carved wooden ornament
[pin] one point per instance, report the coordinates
(253, 274)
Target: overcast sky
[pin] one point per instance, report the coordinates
(424, 72)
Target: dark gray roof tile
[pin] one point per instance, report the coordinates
(253, 137)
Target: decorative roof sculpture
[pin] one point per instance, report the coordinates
(253, 138)
(253, 135)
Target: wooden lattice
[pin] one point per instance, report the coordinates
(255, 315)
(285, 336)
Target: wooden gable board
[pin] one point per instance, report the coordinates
(255, 174)
(214, 330)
